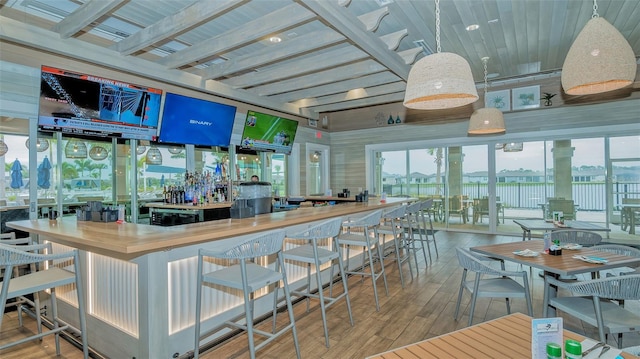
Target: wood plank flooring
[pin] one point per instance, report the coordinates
(423, 309)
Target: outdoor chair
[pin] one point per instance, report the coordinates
(592, 302)
(623, 250)
(499, 285)
(629, 216)
(566, 206)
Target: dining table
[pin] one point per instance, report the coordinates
(564, 265)
(504, 337)
(529, 225)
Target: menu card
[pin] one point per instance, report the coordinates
(543, 331)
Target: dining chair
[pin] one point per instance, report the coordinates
(566, 206)
(247, 276)
(500, 284)
(39, 279)
(623, 250)
(362, 232)
(415, 231)
(592, 301)
(576, 236)
(312, 253)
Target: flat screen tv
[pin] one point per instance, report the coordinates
(188, 120)
(264, 132)
(82, 104)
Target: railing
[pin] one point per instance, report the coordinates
(590, 196)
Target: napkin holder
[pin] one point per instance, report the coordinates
(555, 251)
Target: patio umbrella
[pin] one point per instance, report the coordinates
(16, 175)
(44, 174)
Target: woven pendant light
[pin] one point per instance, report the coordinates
(599, 60)
(488, 120)
(154, 157)
(98, 153)
(75, 149)
(441, 80)
(3, 148)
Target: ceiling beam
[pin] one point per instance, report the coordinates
(326, 59)
(267, 55)
(188, 17)
(278, 20)
(45, 40)
(354, 30)
(319, 78)
(338, 87)
(353, 95)
(363, 102)
(84, 15)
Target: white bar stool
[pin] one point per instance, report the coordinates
(369, 243)
(248, 277)
(48, 277)
(312, 254)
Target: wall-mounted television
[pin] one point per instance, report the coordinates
(82, 104)
(188, 120)
(264, 132)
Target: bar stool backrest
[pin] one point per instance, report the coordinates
(426, 204)
(414, 207)
(370, 220)
(396, 212)
(326, 229)
(264, 245)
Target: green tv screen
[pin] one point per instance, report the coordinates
(264, 132)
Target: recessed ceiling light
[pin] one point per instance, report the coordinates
(493, 21)
(473, 27)
(275, 39)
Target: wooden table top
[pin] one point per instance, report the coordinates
(563, 264)
(542, 225)
(505, 337)
(129, 240)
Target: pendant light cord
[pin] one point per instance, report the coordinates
(595, 9)
(484, 62)
(438, 26)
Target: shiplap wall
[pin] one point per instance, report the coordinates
(349, 148)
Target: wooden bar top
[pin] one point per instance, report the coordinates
(129, 240)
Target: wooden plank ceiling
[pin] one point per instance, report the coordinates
(332, 55)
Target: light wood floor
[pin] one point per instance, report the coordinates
(423, 309)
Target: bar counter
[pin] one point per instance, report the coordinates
(141, 279)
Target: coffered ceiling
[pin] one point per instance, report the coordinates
(307, 57)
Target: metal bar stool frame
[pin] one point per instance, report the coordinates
(45, 278)
(248, 277)
(369, 243)
(313, 254)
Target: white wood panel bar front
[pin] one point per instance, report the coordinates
(141, 279)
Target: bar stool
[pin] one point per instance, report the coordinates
(365, 226)
(427, 227)
(393, 225)
(248, 277)
(414, 229)
(312, 254)
(36, 281)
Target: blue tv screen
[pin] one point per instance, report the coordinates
(188, 120)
